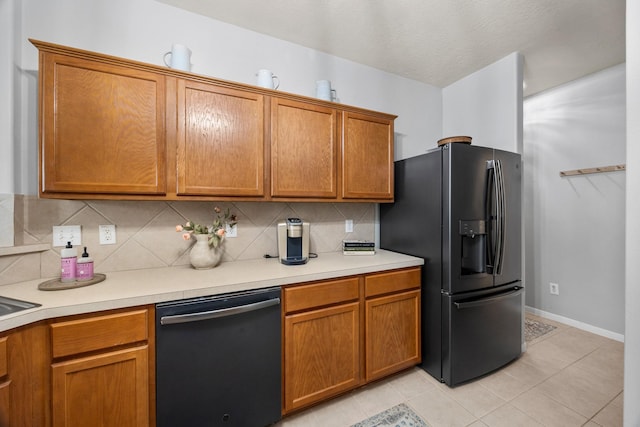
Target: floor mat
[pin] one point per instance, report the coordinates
(398, 416)
(534, 329)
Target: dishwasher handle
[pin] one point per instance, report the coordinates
(215, 314)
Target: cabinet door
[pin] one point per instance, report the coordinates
(110, 389)
(102, 128)
(321, 354)
(367, 164)
(392, 333)
(303, 150)
(220, 141)
(5, 402)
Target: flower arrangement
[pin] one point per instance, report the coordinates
(216, 231)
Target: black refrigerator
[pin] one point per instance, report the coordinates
(459, 207)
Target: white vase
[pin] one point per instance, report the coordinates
(203, 256)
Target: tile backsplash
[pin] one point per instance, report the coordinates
(6, 220)
(146, 236)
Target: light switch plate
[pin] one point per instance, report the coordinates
(231, 231)
(348, 226)
(67, 233)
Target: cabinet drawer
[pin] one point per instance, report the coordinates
(100, 332)
(3, 357)
(392, 281)
(320, 294)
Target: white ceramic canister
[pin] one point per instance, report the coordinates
(267, 79)
(324, 91)
(180, 57)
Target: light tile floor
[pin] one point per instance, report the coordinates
(567, 377)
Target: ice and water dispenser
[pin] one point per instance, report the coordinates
(474, 248)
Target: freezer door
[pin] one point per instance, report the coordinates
(481, 332)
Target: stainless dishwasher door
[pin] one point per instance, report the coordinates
(218, 360)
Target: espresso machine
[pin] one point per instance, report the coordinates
(293, 241)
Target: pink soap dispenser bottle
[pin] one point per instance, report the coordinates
(85, 266)
(68, 260)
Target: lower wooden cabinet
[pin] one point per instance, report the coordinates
(24, 377)
(321, 341)
(342, 333)
(322, 354)
(102, 369)
(392, 312)
(110, 389)
(5, 403)
(99, 369)
(5, 382)
(392, 333)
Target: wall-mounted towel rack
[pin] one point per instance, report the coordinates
(614, 168)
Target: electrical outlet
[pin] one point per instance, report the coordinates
(107, 234)
(348, 226)
(554, 288)
(231, 231)
(67, 233)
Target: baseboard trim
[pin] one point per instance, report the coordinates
(576, 324)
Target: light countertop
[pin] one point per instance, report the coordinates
(150, 286)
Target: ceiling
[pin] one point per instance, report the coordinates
(440, 41)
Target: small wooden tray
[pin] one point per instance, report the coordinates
(463, 139)
(57, 285)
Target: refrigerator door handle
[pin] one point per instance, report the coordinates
(485, 301)
(491, 214)
(501, 217)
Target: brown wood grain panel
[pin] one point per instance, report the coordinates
(392, 281)
(303, 150)
(99, 332)
(319, 294)
(392, 333)
(220, 141)
(5, 403)
(102, 128)
(367, 157)
(322, 355)
(28, 363)
(110, 389)
(3, 357)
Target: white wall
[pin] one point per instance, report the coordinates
(574, 226)
(7, 65)
(487, 105)
(632, 302)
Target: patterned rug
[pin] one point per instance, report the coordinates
(398, 416)
(534, 329)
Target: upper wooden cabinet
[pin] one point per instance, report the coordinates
(367, 157)
(220, 140)
(102, 127)
(303, 150)
(112, 128)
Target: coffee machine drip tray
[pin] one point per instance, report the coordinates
(293, 261)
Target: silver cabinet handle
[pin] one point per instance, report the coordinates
(214, 314)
